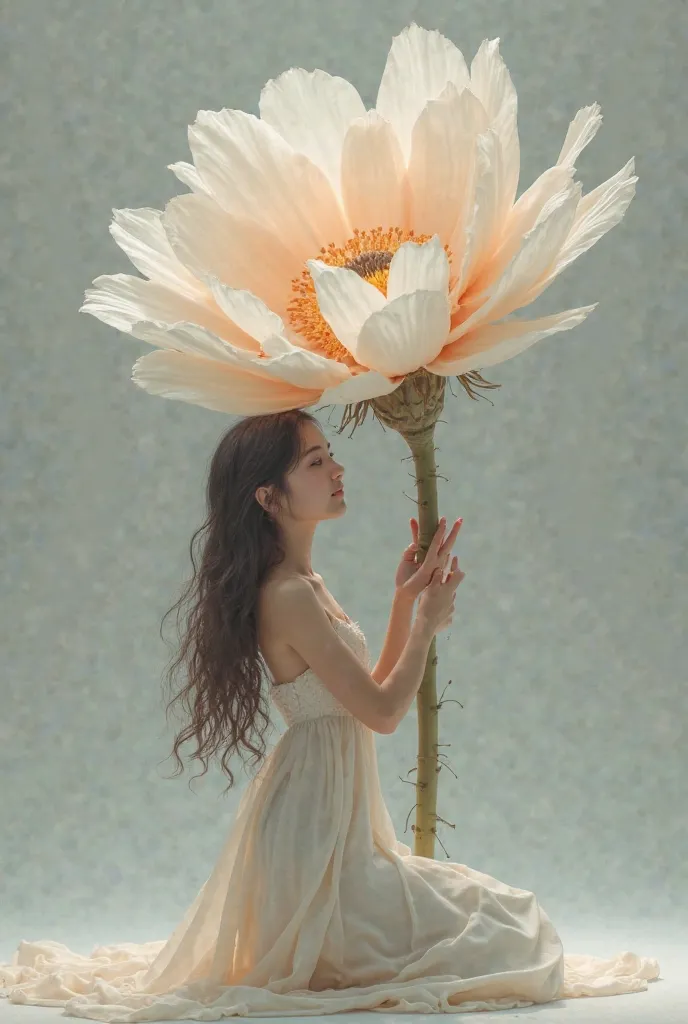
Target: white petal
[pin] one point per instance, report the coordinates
(374, 187)
(192, 340)
(345, 300)
(246, 310)
(496, 343)
(189, 175)
(299, 367)
(125, 302)
(537, 254)
(251, 171)
(141, 235)
(236, 390)
(528, 208)
(409, 332)
(417, 267)
(492, 84)
(582, 130)
(529, 205)
(597, 213)
(312, 111)
(441, 167)
(310, 370)
(419, 65)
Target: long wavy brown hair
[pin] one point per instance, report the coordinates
(241, 543)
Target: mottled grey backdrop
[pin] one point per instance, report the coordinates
(568, 649)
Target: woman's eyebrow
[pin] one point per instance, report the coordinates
(315, 448)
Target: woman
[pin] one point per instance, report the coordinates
(314, 906)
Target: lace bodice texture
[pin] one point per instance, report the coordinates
(305, 697)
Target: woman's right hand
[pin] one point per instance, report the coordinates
(436, 602)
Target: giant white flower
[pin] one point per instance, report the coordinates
(326, 251)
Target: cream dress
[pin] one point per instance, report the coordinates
(315, 907)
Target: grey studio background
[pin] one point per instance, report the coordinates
(568, 649)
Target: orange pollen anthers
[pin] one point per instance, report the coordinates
(369, 253)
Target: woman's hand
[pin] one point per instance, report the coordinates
(412, 578)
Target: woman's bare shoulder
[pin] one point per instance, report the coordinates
(275, 589)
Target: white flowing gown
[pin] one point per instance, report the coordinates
(315, 907)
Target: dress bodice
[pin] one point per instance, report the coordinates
(305, 697)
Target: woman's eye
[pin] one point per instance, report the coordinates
(318, 462)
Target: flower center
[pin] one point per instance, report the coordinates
(369, 253)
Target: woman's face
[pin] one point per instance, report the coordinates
(316, 477)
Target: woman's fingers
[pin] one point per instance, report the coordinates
(449, 542)
(440, 546)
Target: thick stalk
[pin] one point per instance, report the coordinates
(426, 701)
(413, 410)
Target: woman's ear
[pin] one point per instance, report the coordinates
(261, 497)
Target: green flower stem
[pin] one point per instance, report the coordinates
(413, 409)
(426, 700)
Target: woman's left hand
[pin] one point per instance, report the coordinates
(411, 578)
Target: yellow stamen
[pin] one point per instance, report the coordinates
(369, 253)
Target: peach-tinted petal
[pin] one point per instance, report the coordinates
(488, 346)
(442, 164)
(534, 259)
(522, 216)
(312, 111)
(519, 222)
(215, 244)
(419, 65)
(411, 330)
(251, 171)
(485, 225)
(277, 357)
(241, 384)
(222, 387)
(374, 185)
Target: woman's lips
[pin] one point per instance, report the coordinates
(340, 491)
